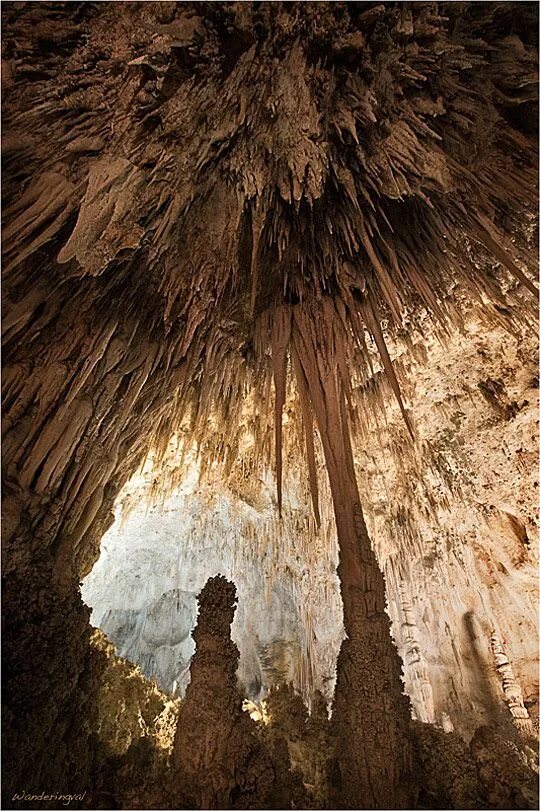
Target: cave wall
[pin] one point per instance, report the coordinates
(155, 560)
(456, 526)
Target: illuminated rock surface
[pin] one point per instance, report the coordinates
(463, 513)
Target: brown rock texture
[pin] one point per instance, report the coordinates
(307, 737)
(445, 773)
(496, 770)
(195, 195)
(130, 706)
(52, 680)
(508, 772)
(136, 725)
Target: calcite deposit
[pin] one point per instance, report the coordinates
(157, 556)
(250, 228)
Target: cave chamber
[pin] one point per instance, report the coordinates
(270, 405)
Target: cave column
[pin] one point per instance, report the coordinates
(512, 691)
(370, 712)
(218, 761)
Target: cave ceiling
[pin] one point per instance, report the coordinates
(225, 175)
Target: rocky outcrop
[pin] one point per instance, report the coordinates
(507, 771)
(49, 675)
(136, 725)
(307, 737)
(131, 707)
(495, 770)
(445, 773)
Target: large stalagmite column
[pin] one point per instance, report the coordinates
(370, 712)
(217, 760)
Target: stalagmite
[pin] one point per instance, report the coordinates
(413, 656)
(217, 760)
(512, 691)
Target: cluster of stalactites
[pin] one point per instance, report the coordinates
(285, 200)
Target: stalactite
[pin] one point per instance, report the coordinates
(308, 433)
(280, 340)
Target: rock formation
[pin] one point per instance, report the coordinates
(157, 558)
(136, 727)
(218, 762)
(512, 691)
(130, 706)
(307, 737)
(208, 207)
(445, 771)
(449, 513)
(507, 771)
